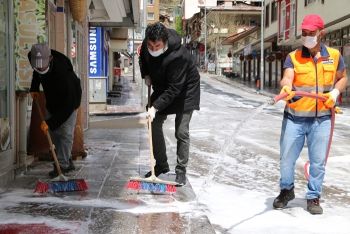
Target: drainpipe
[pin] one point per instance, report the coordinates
(22, 149)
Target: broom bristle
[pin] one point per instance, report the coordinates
(61, 186)
(150, 186)
(135, 185)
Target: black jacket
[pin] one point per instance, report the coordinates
(61, 87)
(175, 78)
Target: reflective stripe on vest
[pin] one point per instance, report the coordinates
(312, 78)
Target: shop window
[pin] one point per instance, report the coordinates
(345, 33)
(150, 16)
(267, 22)
(5, 88)
(307, 2)
(274, 11)
(4, 76)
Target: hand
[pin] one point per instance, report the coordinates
(331, 98)
(337, 109)
(151, 113)
(44, 127)
(287, 90)
(35, 94)
(147, 80)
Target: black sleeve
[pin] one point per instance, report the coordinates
(143, 61)
(34, 86)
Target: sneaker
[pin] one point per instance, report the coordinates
(284, 197)
(159, 169)
(313, 206)
(180, 179)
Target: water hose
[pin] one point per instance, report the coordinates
(318, 97)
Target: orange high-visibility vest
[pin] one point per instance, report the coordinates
(314, 78)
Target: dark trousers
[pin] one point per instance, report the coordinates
(182, 134)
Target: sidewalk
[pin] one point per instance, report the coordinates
(117, 146)
(117, 149)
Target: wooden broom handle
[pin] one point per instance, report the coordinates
(150, 133)
(49, 138)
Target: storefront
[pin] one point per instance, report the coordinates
(7, 121)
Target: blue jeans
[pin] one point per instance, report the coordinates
(292, 141)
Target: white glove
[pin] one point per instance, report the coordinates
(151, 113)
(147, 80)
(335, 93)
(331, 98)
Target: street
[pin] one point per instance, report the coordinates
(233, 176)
(234, 166)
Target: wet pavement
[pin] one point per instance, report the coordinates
(117, 148)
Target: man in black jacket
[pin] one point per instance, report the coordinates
(176, 90)
(54, 71)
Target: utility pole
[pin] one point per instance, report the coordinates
(262, 47)
(205, 34)
(133, 55)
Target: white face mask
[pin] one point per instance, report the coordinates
(309, 42)
(158, 52)
(42, 72)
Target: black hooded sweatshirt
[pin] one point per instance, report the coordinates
(61, 87)
(175, 78)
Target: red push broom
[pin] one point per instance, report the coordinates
(60, 183)
(152, 183)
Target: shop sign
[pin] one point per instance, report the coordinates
(29, 26)
(94, 52)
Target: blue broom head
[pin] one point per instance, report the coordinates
(153, 187)
(62, 186)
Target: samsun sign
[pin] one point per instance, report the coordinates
(94, 52)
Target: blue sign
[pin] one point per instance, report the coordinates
(95, 50)
(254, 54)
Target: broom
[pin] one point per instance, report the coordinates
(152, 183)
(60, 183)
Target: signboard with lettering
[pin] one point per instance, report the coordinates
(95, 49)
(29, 21)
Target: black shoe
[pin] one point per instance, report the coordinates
(180, 179)
(159, 169)
(284, 197)
(71, 165)
(313, 206)
(54, 172)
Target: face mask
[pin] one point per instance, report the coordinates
(309, 42)
(42, 72)
(158, 52)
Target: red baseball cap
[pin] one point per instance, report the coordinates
(312, 22)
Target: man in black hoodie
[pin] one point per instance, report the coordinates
(54, 71)
(168, 67)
